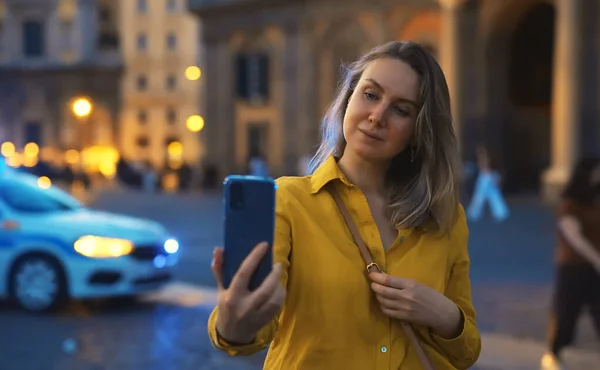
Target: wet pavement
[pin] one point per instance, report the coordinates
(117, 337)
(511, 273)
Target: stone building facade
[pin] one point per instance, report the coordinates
(159, 42)
(53, 53)
(523, 76)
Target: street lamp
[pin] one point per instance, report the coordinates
(193, 73)
(82, 107)
(195, 123)
(7, 149)
(175, 149)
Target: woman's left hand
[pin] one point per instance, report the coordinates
(410, 301)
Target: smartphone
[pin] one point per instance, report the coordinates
(249, 219)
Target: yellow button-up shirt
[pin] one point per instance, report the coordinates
(331, 319)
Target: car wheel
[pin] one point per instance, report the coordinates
(38, 284)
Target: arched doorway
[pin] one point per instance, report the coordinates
(527, 135)
(423, 28)
(520, 57)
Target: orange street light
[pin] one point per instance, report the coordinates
(193, 73)
(82, 107)
(195, 123)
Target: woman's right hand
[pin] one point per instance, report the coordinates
(241, 312)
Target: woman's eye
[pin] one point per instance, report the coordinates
(370, 96)
(401, 112)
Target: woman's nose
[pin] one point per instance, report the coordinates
(377, 116)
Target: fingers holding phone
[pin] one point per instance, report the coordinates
(242, 312)
(217, 267)
(249, 266)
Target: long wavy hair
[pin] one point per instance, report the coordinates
(422, 180)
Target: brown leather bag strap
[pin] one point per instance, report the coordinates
(364, 251)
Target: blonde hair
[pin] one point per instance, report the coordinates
(423, 179)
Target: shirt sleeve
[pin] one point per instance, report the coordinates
(463, 350)
(281, 251)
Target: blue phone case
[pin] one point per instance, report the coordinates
(249, 219)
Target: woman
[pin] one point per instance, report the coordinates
(577, 259)
(390, 152)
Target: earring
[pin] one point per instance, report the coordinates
(412, 154)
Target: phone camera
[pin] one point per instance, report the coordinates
(236, 198)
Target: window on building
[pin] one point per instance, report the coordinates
(142, 6)
(143, 141)
(66, 35)
(258, 137)
(108, 36)
(142, 117)
(171, 5)
(105, 15)
(171, 116)
(171, 41)
(171, 82)
(252, 76)
(142, 41)
(33, 39)
(108, 40)
(142, 82)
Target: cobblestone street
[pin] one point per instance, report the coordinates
(512, 272)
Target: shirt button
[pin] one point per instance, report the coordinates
(383, 349)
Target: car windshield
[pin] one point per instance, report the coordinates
(21, 193)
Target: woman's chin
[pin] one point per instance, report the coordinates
(369, 153)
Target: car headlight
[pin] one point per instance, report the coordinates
(101, 247)
(171, 246)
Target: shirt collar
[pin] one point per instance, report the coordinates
(327, 171)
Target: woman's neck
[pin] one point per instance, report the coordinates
(368, 176)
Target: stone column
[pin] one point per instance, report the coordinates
(450, 58)
(307, 102)
(226, 108)
(219, 129)
(292, 133)
(210, 133)
(566, 97)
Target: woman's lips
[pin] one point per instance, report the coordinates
(371, 135)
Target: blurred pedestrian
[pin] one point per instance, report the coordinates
(487, 190)
(210, 178)
(258, 165)
(577, 281)
(186, 176)
(149, 177)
